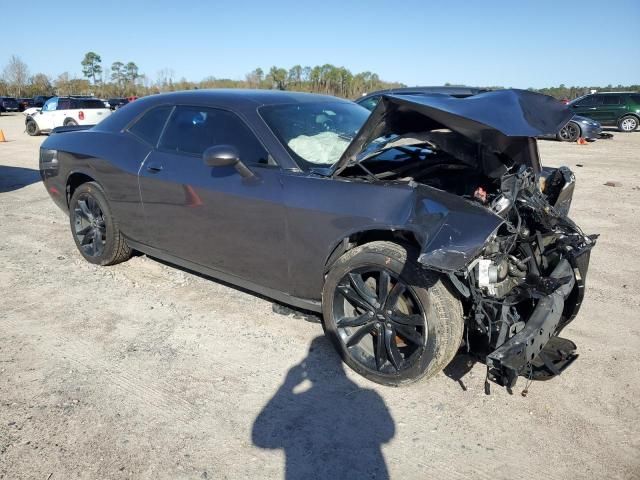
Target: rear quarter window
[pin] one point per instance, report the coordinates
(635, 98)
(90, 103)
(611, 100)
(149, 127)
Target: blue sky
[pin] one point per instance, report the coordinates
(509, 43)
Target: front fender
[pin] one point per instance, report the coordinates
(454, 230)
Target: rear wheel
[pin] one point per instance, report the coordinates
(569, 133)
(94, 229)
(32, 128)
(628, 123)
(70, 122)
(391, 320)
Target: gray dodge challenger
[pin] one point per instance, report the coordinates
(424, 227)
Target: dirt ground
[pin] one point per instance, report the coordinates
(143, 370)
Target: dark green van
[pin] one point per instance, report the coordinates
(617, 109)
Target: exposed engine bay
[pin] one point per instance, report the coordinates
(526, 282)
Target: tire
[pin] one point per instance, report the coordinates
(628, 123)
(70, 122)
(32, 128)
(571, 132)
(413, 335)
(94, 228)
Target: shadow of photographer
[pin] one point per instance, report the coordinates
(327, 426)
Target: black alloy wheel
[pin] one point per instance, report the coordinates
(569, 133)
(94, 229)
(390, 319)
(379, 319)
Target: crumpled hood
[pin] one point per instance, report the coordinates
(502, 121)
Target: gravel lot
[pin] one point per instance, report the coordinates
(145, 371)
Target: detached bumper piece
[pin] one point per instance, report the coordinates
(527, 351)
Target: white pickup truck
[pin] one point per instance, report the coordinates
(66, 112)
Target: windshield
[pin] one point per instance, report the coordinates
(316, 134)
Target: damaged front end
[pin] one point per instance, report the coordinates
(528, 281)
(504, 238)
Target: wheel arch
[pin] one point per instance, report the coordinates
(361, 237)
(629, 114)
(74, 180)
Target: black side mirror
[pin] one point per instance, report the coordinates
(226, 156)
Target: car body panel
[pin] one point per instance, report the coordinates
(501, 120)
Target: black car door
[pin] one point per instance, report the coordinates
(213, 216)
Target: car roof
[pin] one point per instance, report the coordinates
(613, 93)
(236, 99)
(239, 97)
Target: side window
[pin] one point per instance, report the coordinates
(150, 125)
(635, 98)
(64, 104)
(587, 101)
(370, 103)
(611, 100)
(192, 130)
(50, 105)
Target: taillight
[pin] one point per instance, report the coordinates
(81, 115)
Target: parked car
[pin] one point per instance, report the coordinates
(115, 103)
(410, 239)
(578, 127)
(24, 103)
(616, 109)
(39, 100)
(9, 104)
(66, 111)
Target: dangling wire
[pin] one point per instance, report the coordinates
(525, 391)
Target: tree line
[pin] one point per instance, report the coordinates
(125, 79)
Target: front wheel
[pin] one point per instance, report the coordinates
(391, 320)
(32, 128)
(569, 133)
(94, 229)
(628, 123)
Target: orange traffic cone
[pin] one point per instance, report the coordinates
(581, 141)
(191, 197)
(2, 139)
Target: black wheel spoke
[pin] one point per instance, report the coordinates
(395, 293)
(359, 335)
(409, 334)
(91, 250)
(354, 298)
(88, 238)
(384, 285)
(85, 230)
(355, 321)
(362, 290)
(392, 349)
(84, 209)
(380, 350)
(409, 320)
